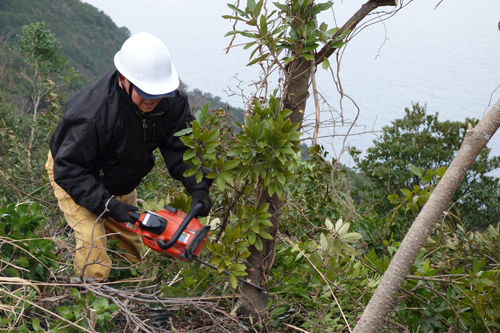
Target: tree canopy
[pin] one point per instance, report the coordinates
(423, 141)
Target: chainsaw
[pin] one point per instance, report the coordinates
(175, 233)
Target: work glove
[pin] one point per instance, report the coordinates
(201, 196)
(118, 211)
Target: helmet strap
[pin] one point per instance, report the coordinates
(121, 79)
(130, 87)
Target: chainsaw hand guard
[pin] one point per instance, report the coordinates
(180, 230)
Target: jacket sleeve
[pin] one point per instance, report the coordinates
(173, 149)
(74, 147)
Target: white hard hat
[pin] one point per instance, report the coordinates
(145, 61)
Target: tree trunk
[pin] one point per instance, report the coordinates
(474, 142)
(253, 302)
(296, 91)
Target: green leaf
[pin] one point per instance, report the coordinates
(216, 260)
(190, 172)
(251, 237)
(211, 145)
(199, 176)
(309, 48)
(227, 178)
(213, 135)
(281, 178)
(258, 244)
(287, 60)
(284, 8)
(263, 24)
(406, 192)
(185, 131)
(189, 154)
(479, 286)
(329, 224)
(338, 45)
(234, 32)
(187, 141)
(220, 183)
(286, 150)
(265, 234)
(319, 8)
(279, 311)
(416, 171)
(36, 324)
(201, 114)
(351, 237)
(441, 171)
(196, 130)
(113, 308)
(307, 56)
(229, 17)
(263, 209)
(75, 293)
(239, 11)
(23, 261)
(229, 165)
(323, 241)
(261, 58)
(272, 188)
(325, 64)
(255, 227)
(258, 7)
(234, 280)
(251, 5)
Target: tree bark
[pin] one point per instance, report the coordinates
(474, 142)
(298, 86)
(253, 302)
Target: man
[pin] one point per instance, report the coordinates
(104, 144)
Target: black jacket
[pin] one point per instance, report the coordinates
(104, 147)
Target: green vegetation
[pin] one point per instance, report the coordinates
(422, 141)
(88, 38)
(339, 230)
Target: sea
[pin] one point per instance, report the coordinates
(442, 54)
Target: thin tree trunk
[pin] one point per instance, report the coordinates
(474, 142)
(316, 107)
(36, 102)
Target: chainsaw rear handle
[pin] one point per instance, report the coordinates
(135, 215)
(180, 230)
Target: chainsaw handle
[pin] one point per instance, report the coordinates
(180, 230)
(135, 215)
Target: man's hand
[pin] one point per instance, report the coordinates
(202, 197)
(119, 211)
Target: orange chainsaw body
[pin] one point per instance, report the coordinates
(158, 228)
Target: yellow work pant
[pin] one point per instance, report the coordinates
(91, 233)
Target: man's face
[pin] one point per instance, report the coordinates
(145, 105)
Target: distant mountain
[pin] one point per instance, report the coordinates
(88, 37)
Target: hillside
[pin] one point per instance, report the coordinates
(88, 38)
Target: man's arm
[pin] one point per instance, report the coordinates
(74, 148)
(173, 150)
